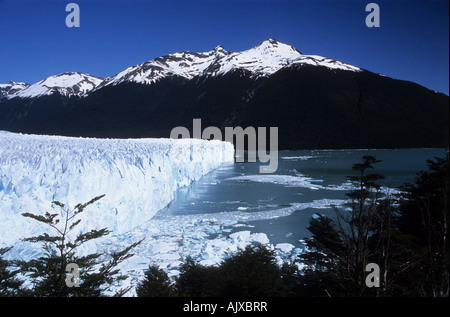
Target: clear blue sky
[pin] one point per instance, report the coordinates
(411, 44)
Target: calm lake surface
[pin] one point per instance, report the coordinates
(309, 179)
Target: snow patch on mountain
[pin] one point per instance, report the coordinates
(11, 88)
(66, 84)
(184, 64)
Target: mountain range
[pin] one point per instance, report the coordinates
(316, 102)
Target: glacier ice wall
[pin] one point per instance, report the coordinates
(138, 177)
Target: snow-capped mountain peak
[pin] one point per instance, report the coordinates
(272, 55)
(262, 60)
(184, 64)
(220, 51)
(67, 84)
(271, 45)
(11, 88)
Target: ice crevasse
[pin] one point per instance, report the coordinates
(138, 177)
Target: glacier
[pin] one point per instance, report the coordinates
(138, 177)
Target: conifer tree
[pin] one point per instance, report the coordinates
(197, 280)
(50, 274)
(252, 271)
(10, 284)
(424, 225)
(155, 284)
(342, 245)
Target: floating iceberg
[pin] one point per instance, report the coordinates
(286, 180)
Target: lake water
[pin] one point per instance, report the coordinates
(235, 205)
(308, 181)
